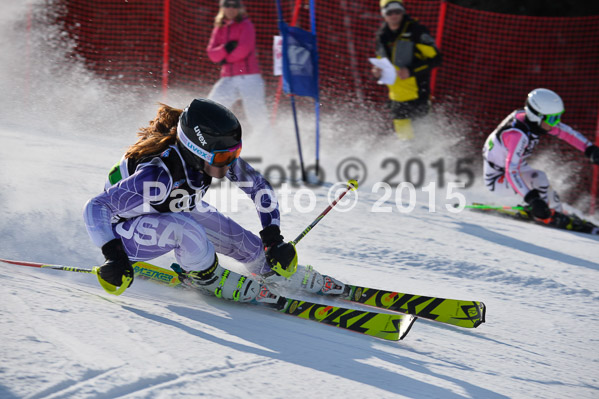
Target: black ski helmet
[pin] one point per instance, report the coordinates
(204, 127)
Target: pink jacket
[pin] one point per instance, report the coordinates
(242, 60)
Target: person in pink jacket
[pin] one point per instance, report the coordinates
(506, 150)
(232, 45)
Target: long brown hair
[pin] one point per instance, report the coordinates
(219, 20)
(161, 133)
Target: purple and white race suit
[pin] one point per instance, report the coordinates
(155, 206)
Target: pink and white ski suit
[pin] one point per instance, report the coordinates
(507, 148)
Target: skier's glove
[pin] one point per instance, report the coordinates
(281, 255)
(117, 263)
(230, 46)
(592, 152)
(539, 208)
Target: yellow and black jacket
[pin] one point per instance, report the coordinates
(412, 47)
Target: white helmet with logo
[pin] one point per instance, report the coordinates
(544, 105)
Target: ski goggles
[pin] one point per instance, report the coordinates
(225, 157)
(218, 158)
(553, 119)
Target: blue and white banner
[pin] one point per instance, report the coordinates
(300, 61)
(300, 70)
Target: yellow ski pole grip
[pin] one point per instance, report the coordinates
(353, 184)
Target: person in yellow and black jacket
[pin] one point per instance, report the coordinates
(412, 50)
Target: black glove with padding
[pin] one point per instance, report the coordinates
(117, 263)
(281, 255)
(592, 152)
(539, 208)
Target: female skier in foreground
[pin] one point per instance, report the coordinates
(152, 204)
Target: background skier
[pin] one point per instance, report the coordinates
(506, 150)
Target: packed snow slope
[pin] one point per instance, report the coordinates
(62, 336)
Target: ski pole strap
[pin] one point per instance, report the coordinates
(109, 288)
(351, 185)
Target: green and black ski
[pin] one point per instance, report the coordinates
(381, 325)
(468, 314)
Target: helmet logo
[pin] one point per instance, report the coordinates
(200, 135)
